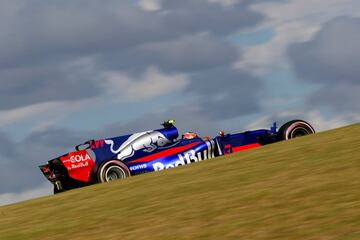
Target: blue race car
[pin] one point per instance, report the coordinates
(104, 160)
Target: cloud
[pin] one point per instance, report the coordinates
(192, 52)
(292, 22)
(188, 53)
(330, 61)
(152, 83)
(35, 85)
(204, 16)
(332, 55)
(5, 150)
(150, 5)
(59, 51)
(9, 198)
(65, 30)
(315, 118)
(13, 115)
(226, 93)
(19, 160)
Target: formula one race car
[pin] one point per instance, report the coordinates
(104, 160)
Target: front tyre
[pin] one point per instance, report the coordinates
(112, 170)
(294, 129)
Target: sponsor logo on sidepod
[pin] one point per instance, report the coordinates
(78, 161)
(138, 167)
(79, 158)
(188, 158)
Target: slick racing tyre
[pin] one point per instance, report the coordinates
(294, 129)
(112, 170)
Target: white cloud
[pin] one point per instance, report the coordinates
(45, 115)
(152, 83)
(18, 114)
(265, 58)
(322, 123)
(9, 198)
(292, 21)
(225, 3)
(155, 5)
(315, 118)
(119, 87)
(150, 5)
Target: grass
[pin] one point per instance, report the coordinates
(307, 188)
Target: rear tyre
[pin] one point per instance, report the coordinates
(112, 170)
(294, 129)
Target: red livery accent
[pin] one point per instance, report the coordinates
(94, 144)
(165, 153)
(245, 147)
(79, 165)
(227, 149)
(103, 160)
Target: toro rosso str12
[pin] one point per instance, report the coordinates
(104, 160)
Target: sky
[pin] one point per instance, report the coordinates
(76, 70)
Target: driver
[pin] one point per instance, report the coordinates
(189, 135)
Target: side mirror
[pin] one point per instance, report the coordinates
(83, 146)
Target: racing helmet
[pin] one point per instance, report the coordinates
(189, 135)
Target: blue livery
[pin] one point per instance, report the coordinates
(104, 160)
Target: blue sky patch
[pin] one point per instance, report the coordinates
(253, 38)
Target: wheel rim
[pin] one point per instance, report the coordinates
(114, 173)
(299, 132)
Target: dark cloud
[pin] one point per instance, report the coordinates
(339, 97)
(29, 85)
(19, 160)
(185, 54)
(5, 150)
(42, 30)
(224, 93)
(39, 31)
(199, 16)
(331, 61)
(38, 39)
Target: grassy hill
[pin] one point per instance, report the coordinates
(307, 188)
